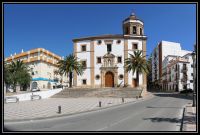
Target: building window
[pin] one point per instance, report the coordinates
(121, 77)
(192, 74)
(109, 48)
(191, 81)
(119, 59)
(84, 81)
(135, 46)
(83, 48)
(192, 65)
(97, 77)
(184, 66)
(118, 41)
(98, 60)
(84, 64)
(140, 31)
(99, 42)
(134, 29)
(127, 30)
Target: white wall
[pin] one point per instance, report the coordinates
(100, 51)
(43, 94)
(84, 56)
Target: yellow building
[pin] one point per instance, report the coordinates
(43, 65)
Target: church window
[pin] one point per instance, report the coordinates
(97, 77)
(99, 42)
(134, 29)
(118, 41)
(119, 59)
(109, 48)
(83, 48)
(140, 31)
(127, 30)
(84, 81)
(135, 46)
(84, 64)
(121, 76)
(98, 59)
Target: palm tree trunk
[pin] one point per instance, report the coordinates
(137, 78)
(70, 79)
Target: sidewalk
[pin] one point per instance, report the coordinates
(46, 108)
(189, 121)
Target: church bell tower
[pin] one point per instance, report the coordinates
(132, 26)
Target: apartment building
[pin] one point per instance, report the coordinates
(178, 73)
(162, 50)
(43, 66)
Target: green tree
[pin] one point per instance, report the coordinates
(136, 63)
(68, 65)
(17, 73)
(24, 79)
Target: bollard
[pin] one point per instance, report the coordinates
(59, 109)
(122, 100)
(99, 103)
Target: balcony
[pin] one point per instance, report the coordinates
(184, 79)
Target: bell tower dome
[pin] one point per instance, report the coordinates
(132, 26)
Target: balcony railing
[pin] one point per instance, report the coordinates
(184, 79)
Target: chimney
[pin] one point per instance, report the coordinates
(10, 55)
(15, 53)
(22, 50)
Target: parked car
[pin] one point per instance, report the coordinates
(187, 91)
(35, 89)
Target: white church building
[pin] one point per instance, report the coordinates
(103, 57)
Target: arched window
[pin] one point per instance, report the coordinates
(140, 31)
(134, 29)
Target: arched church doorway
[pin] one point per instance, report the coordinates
(109, 79)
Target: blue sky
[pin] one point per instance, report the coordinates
(53, 26)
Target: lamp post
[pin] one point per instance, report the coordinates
(194, 79)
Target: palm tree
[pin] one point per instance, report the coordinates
(136, 63)
(17, 73)
(68, 65)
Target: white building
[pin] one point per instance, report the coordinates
(42, 64)
(162, 50)
(178, 74)
(104, 55)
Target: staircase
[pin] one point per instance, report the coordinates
(98, 92)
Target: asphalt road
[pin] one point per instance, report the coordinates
(160, 113)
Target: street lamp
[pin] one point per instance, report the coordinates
(194, 79)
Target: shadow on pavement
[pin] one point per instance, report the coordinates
(174, 95)
(158, 119)
(164, 107)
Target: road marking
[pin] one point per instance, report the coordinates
(115, 123)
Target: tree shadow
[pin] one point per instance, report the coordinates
(189, 120)
(164, 107)
(159, 119)
(174, 95)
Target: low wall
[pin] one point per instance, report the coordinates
(43, 94)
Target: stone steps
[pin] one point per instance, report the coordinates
(97, 92)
